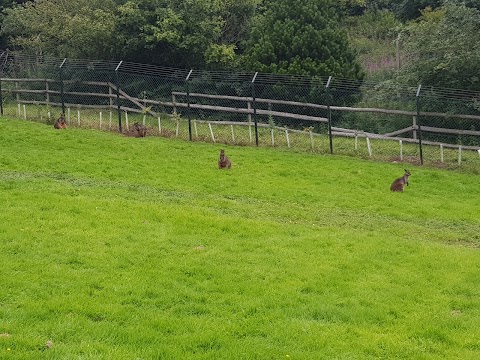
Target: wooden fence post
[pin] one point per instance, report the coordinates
(414, 125)
(18, 93)
(47, 92)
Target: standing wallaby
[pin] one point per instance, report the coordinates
(399, 184)
(224, 162)
(140, 129)
(60, 122)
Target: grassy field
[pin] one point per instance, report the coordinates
(114, 247)
(317, 142)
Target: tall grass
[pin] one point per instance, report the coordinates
(140, 248)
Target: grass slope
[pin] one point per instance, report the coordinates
(126, 248)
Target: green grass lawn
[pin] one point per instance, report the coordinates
(114, 247)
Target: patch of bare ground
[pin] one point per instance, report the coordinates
(406, 159)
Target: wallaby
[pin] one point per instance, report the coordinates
(60, 122)
(399, 184)
(224, 162)
(140, 129)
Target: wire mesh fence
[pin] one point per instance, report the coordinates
(384, 121)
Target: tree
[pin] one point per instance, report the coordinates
(303, 38)
(184, 33)
(443, 49)
(73, 28)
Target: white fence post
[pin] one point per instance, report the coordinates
(211, 132)
(369, 147)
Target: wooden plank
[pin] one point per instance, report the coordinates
(401, 131)
(450, 131)
(137, 102)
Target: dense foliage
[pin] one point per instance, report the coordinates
(77, 28)
(424, 41)
(301, 38)
(446, 52)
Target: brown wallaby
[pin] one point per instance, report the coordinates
(140, 129)
(60, 122)
(224, 162)
(399, 184)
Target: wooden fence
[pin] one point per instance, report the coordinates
(139, 105)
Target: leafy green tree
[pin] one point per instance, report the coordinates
(185, 33)
(443, 48)
(74, 28)
(304, 38)
(6, 4)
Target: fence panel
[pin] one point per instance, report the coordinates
(383, 121)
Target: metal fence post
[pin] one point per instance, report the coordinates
(117, 84)
(329, 113)
(62, 94)
(254, 104)
(189, 117)
(417, 104)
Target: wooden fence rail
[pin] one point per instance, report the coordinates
(138, 105)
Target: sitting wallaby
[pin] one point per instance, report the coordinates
(224, 162)
(60, 122)
(140, 129)
(399, 184)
